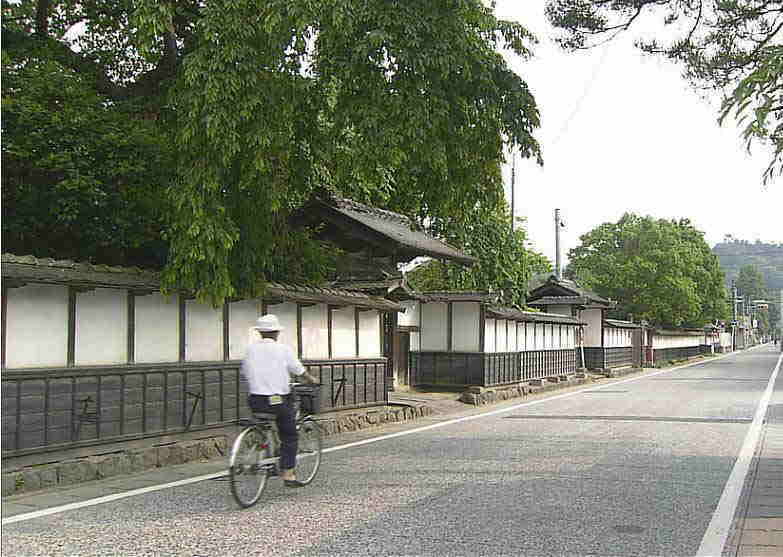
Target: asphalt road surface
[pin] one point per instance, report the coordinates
(629, 467)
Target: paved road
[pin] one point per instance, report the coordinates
(632, 467)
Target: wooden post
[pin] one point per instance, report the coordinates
(71, 326)
(449, 326)
(182, 326)
(131, 310)
(226, 331)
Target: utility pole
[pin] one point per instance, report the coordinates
(513, 183)
(557, 244)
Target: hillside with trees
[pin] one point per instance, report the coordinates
(767, 258)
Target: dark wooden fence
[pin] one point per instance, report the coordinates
(459, 369)
(663, 355)
(59, 408)
(608, 358)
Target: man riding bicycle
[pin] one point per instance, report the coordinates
(268, 367)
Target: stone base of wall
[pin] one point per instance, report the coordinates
(132, 461)
(479, 396)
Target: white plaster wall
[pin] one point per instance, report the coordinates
(315, 332)
(156, 328)
(415, 342)
(530, 340)
(512, 336)
(203, 332)
(343, 333)
(410, 317)
(465, 327)
(369, 334)
(501, 340)
(569, 337)
(37, 326)
(594, 325)
(286, 314)
(433, 326)
(725, 339)
(242, 316)
(675, 341)
(101, 327)
(489, 335)
(521, 336)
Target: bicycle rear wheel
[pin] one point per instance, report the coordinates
(247, 471)
(308, 456)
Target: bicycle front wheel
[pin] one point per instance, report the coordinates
(247, 470)
(308, 456)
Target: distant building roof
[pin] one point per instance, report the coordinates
(357, 227)
(24, 269)
(567, 292)
(619, 324)
(531, 316)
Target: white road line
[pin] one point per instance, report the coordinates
(149, 489)
(718, 530)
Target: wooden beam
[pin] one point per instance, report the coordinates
(131, 330)
(71, 358)
(482, 326)
(3, 324)
(449, 326)
(226, 331)
(329, 329)
(182, 326)
(299, 329)
(356, 328)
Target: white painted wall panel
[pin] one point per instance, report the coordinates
(530, 340)
(512, 336)
(343, 333)
(489, 335)
(315, 332)
(521, 336)
(37, 326)
(501, 341)
(242, 316)
(415, 342)
(203, 332)
(410, 317)
(369, 334)
(156, 328)
(286, 314)
(594, 325)
(465, 327)
(101, 327)
(433, 326)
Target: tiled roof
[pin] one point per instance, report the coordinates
(619, 324)
(531, 316)
(31, 269)
(454, 296)
(399, 229)
(560, 300)
(564, 288)
(46, 270)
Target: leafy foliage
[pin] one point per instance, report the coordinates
(731, 47)
(505, 263)
(658, 270)
(406, 106)
(751, 286)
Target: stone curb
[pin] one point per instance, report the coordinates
(131, 461)
(479, 396)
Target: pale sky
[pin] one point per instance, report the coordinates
(622, 131)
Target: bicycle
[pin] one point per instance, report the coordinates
(255, 453)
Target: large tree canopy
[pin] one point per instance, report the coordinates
(732, 47)
(659, 270)
(505, 262)
(404, 105)
(751, 287)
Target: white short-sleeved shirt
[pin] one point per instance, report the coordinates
(267, 367)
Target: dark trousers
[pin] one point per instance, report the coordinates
(286, 425)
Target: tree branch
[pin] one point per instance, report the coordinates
(42, 18)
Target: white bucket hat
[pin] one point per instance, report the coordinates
(268, 324)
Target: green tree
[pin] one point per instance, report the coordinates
(732, 48)
(505, 261)
(658, 270)
(751, 286)
(406, 106)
